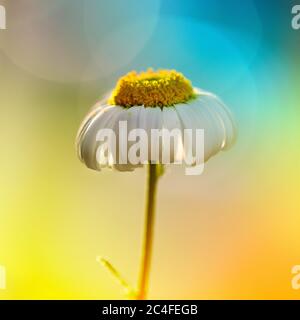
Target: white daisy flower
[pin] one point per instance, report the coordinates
(154, 100)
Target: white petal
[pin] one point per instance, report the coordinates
(225, 116)
(170, 122)
(192, 119)
(214, 132)
(151, 118)
(87, 143)
(131, 117)
(95, 111)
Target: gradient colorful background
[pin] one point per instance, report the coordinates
(232, 233)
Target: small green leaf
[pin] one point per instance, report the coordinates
(130, 292)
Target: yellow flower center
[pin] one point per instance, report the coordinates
(151, 89)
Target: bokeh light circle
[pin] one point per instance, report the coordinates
(75, 41)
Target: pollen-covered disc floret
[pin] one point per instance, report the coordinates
(152, 89)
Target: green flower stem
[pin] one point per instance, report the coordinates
(154, 172)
